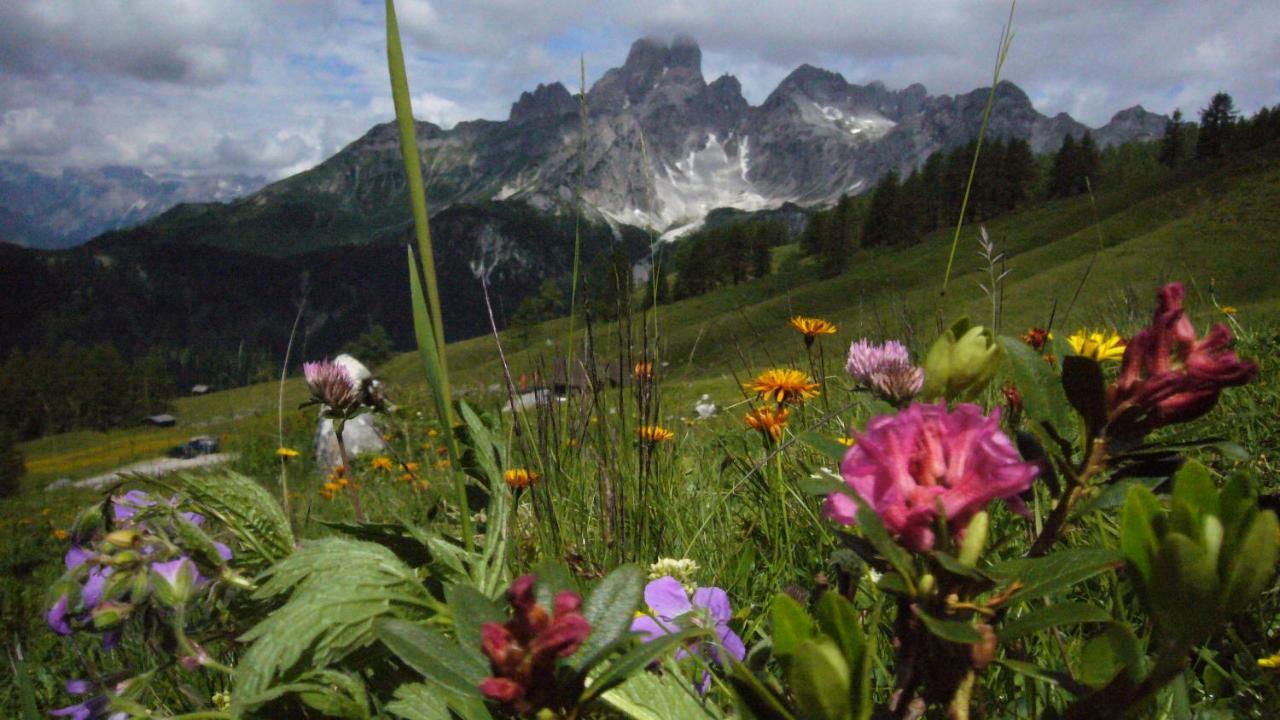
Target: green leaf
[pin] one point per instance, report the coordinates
(818, 484)
(1059, 570)
(22, 680)
(1107, 655)
(418, 701)
(878, 536)
(1030, 670)
(637, 659)
(610, 609)
(820, 680)
(1044, 618)
(432, 655)
(334, 694)
(553, 577)
(244, 507)
(659, 696)
(1194, 497)
(952, 564)
(1086, 391)
(1138, 539)
(471, 610)
(1253, 564)
(1184, 589)
(825, 445)
(839, 620)
(790, 623)
(337, 588)
(1042, 393)
(957, 631)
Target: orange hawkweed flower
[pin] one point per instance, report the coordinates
(783, 386)
(768, 421)
(643, 371)
(654, 433)
(520, 477)
(381, 463)
(812, 327)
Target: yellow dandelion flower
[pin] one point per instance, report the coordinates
(520, 477)
(1229, 309)
(1099, 346)
(767, 421)
(643, 371)
(381, 463)
(61, 534)
(654, 434)
(287, 452)
(812, 327)
(845, 441)
(1271, 662)
(783, 386)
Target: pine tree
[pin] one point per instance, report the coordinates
(1088, 164)
(1017, 175)
(878, 229)
(761, 254)
(1062, 176)
(1216, 124)
(1171, 143)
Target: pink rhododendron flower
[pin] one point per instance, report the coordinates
(1169, 373)
(909, 466)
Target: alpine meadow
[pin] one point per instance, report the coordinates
(651, 401)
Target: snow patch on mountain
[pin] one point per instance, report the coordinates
(709, 177)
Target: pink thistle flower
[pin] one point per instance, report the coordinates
(1171, 375)
(923, 460)
(898, 383)
(886, 369)
(331, 385)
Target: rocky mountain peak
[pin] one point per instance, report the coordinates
(546, 102)
(813, 81)
(650, 64)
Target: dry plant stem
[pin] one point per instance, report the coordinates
(1094, 464)
(351, 488)
(284, 373)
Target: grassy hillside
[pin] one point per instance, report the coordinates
(1218, 233)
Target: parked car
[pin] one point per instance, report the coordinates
(198, 445)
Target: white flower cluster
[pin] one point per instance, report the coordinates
(682, 570)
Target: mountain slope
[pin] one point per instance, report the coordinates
(663, 148)
(55, 211)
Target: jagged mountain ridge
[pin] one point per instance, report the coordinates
(61, 210)
(664, 147)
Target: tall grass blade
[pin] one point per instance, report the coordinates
(437, 371)
(1006, 40)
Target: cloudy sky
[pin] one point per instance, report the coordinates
(271, 87)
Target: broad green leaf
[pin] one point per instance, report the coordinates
(824, 445)
(1041, 388)
(1106, 655)
(434, 656)
(790, 624)
(471, 610)
(419, 701)
(553, 577)
(1085, 390)
(878, 536)
(1184, 589)
(839, 620)
(659, 696)
(610, 609)
(1028, 669)
(1138, 539)
(1057, 571)
(1194, 497)
(820, 680)
(335, 694)
(1044, 618)
(957, 631)
(244, 507)
(1253, 564)
(952, 564)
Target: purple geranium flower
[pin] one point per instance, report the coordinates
(672, 611)
(96, 707)
(57, 616)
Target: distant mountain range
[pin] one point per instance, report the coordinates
(663, 148)
(50, 211)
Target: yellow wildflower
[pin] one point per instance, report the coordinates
(643, 371)
(411, 467)
(812, 327)
(845, 441)
(61, 534)
(1230, 309)
(1271, 662)
(381, 463)
(433, 432)
(783, 386)
(287, 452)
(654, 433)
(442, 464)
(1099, 346)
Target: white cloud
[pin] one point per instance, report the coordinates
(274, 87)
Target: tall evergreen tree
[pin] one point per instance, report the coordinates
(1088, 164)
(1062, 175)
(1216, 124)
(12, 464)
(878, 228)
(1017, 175)
(1171, 143)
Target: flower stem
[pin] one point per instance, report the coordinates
(346, 464)
(1093, 465)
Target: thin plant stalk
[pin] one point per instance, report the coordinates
(346, 467)
(284, 373)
